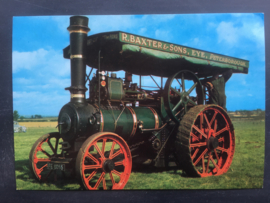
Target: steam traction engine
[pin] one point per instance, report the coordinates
(123, 123)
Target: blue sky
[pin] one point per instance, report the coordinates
(40, 73)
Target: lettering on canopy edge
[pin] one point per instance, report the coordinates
(172, 48)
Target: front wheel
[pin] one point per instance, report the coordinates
(104, 162)
(43, 151)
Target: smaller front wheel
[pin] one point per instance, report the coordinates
(104, 162)
(43, 151)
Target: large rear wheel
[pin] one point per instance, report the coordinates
(205, 141)
(104, 162)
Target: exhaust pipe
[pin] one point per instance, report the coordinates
(78, 30)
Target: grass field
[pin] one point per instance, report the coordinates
(246, 171)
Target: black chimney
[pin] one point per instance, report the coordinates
(78, 30)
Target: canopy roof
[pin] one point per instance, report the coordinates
(144, 56)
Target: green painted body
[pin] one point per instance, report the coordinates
(115, 89)
(146, 115)
(125, 125)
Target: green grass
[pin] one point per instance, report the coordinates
(246, 171)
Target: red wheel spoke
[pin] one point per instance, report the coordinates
(119, 163)
(215, 151)
(215, 127)
(103, 145)
(209, 127)
(100, 153)
(104, 184)
(213, 161)
(213, 118)
(112, 179)
(41, 169)
(92, 167)
(222, 149)
(201, 121)
(192, 134)
(111, 152)
(200, 157)
(192, 88)
(195, 153)
(221, 139)
(196, 128)
(116, 154)
(90, 156)
(91, 175)
(116, 173)
(200, 144)
(99, 180)
(222, 130)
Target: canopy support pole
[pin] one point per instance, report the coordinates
(155, 81)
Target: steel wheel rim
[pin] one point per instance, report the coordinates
(206, 131)
(96, 169)
(41, 153)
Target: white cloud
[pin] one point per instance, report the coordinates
(62, 21)
(27, 60)
(256, 31)
(196, 41)
(106, 23)
(243, 26)
(227, 32)
(142, 31)
(162, 35)
(39, 79)
(60, 83)
(43, 62)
